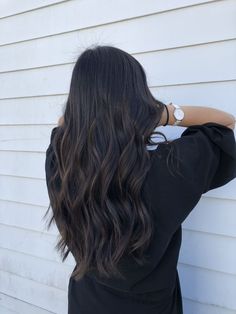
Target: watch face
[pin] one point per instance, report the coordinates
(179, 114)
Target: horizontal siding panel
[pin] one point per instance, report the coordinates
(213, 215)
(134, 36)
(193, 307)
(32, 110)
(54, 274)
(19, 306)
(215, 94)
(52, 299)
(31, 243)
(224, 192)
(184, 65)
(22, 164)
(210, 251)
(36, 82)
(175, 66)
(4, 310)
(31, 216)
(34, 138)
(17, 7)
(82, 15)
(24, 190)
(207, 286)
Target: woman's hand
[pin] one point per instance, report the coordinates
(61, 121)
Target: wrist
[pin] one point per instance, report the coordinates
(171, 109)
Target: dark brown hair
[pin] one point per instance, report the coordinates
(97, 162)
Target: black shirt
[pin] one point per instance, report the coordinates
(206, 156)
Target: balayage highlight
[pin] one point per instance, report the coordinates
(98, 162)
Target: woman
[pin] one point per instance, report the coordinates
(117, 204)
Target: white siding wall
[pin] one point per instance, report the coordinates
(188, 49)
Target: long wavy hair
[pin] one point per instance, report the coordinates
(98, 161)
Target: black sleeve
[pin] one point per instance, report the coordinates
(207, 155)
(206, 159)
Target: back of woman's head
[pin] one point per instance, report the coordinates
(99, 162)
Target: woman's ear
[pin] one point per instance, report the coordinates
(61, 120)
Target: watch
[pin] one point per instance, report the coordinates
(178, 114)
